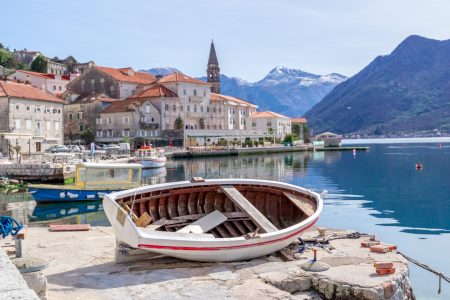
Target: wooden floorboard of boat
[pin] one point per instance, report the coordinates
(260, 220)
(201, 202)
(192, 203)
(182, 204)
(209, 201)
(302, 205)
(172, 206)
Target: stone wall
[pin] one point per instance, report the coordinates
(45, 172)
(95, 81)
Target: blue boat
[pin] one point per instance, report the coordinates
(92, 182)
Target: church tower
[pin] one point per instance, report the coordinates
(213, 71)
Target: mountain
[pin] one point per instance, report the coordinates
(407, 91)
(284, 90)
(163, 71)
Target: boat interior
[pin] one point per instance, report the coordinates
(223, 211)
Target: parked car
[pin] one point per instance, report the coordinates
(57, 149)
(74, 148)
(112, 146)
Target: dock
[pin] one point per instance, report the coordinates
(82, 266)
(205, 152)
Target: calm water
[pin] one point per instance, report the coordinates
(378, 192)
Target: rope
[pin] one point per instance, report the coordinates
(9, 226)
(428, 268)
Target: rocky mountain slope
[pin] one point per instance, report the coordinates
(407, 91)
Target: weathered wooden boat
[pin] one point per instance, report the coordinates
(92, 182)
(213, 220)
(150, 157)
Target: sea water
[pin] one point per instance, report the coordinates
(377, 191)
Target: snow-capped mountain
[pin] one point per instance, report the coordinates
(163, 71)
(288, 91)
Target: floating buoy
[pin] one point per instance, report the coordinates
(354, 151)
(419, 166)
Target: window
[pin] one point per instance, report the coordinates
(60, 88)
(49, 126)
(142, 132)
(167, 106)
(92, 83)
(201, 108)
(38, 127)
(153, 120)
(269, 123)
(184, 91)
(110, 133)
(195, 92)
(109, 120)
(38, 109)
(207, 109)
(204, 94)
(195, 108)
(54, 87)
(125, 120)
(81, 127)
(17, 107)
(214, 109)
(28, 124)
(56, 125)
(188, 108)
(181, 107)
(17, 124)
(28, 108)
(98, 121)
(80, 115)
(126, 132)
(220, 109)
(111, 88)
(174, 107)
(102, 82)
(70, 116)
(147, 109)
(48, 110)
(99, 133)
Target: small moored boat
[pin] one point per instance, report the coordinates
(149, 157)
(92, 182)
(213, 220)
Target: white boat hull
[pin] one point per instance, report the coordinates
(200, 247)
(150, 163)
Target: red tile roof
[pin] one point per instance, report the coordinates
(156, 90)
(180, 77)
(122, 74)
(123, 105)
(298, 120)
(25, 91)
(219, 97)
(267, 114)
(43, 75)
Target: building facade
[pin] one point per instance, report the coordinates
(270, 122)
(298, 127)
(81, 114)
(116, 83)
(55, 84)
(30, 119)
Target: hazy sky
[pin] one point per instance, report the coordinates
(251, 36)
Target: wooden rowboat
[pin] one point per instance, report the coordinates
(213, 220)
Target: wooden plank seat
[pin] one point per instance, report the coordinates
(205, 224)
(260, 220)
(305, 207)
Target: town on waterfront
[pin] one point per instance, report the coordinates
(236, 150)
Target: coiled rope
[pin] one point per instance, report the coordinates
(9, 226)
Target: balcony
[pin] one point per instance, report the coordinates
(148, 125)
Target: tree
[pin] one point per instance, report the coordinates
(88, 136)
(39, 64)
(179, 124)
(6, 58)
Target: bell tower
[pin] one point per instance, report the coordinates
(213, 71)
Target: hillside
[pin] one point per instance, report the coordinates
(406, 91)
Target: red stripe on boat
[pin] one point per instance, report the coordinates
(188, 248)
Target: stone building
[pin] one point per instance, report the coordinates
(213, 70)
(137, 118)
(229, 113)
(270, 122)
(29, 118)
(81, 114)
(55, 84)
(73, 66)
(56, 68)
(25, 57)
(116, 83)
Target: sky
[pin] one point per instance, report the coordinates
(251, 36)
